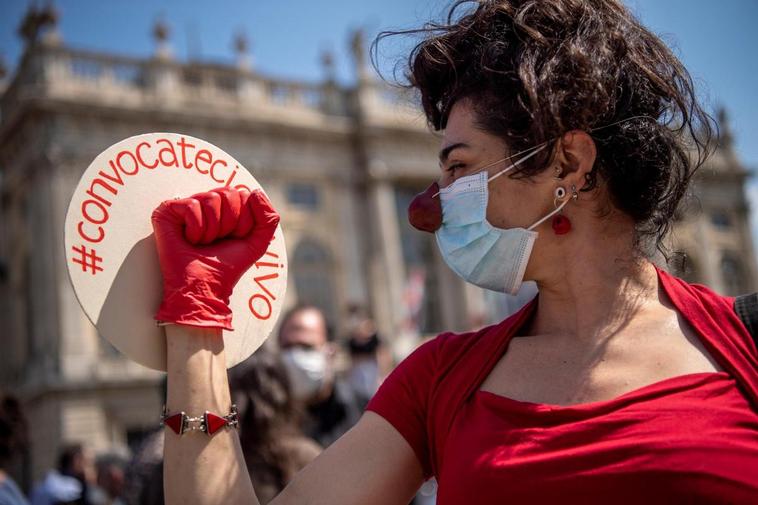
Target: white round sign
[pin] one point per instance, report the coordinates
(111, 254)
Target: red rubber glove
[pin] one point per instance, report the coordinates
(205, 243)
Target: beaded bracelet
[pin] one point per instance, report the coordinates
(208, 423)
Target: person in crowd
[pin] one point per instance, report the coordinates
(308, 354)
(152, 491)
(272, 442)
(13, 441)
(109, 487)
(569, 136)
(365, 349)
(71, 482)
(143, 477)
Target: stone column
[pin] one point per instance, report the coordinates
(79, 345)
(355, 285)
(387, 268)
(710, 258)
(45, 433)
(42, 252)
(162, 71)
(452, 295)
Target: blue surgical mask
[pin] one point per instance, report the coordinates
(486, 256)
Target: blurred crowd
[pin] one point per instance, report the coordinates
(294, 398)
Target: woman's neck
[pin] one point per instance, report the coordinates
(591, 287)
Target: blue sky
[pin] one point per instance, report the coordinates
(716, 40)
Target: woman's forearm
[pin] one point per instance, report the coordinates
(201, 469)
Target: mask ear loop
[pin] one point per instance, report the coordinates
(534, 150)
(519, 162)
(560, 193)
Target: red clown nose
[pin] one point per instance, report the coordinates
(425, 210)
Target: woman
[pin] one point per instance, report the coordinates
(274, 447)
(618, 384)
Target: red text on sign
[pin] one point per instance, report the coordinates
(260, 303)
(105, 186)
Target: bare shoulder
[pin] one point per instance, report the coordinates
(371, 464)
(684, 342)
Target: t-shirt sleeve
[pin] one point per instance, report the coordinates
(403, 399)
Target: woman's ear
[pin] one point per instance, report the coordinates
(576, 153)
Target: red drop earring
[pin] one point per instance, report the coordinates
(560, 223)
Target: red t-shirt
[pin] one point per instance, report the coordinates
(686, 439)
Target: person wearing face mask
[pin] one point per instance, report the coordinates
(566, 134)
(331, 406)
(364, 374)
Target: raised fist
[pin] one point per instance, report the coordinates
(205, 243)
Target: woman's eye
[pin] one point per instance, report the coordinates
(455, 166)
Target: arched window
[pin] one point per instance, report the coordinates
(733, 274)
(313, 270)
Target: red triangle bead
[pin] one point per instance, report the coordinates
(175, 422)
(213, 423)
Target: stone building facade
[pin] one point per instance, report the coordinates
(340, 163)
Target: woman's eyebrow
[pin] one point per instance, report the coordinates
(445, 152)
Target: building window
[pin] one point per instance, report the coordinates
(226, 82)
(721, 219)
(193, 77)
(313, 271)
(733, 274)
(303, 195)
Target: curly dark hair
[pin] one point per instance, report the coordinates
(535, 69)
(268, 412)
